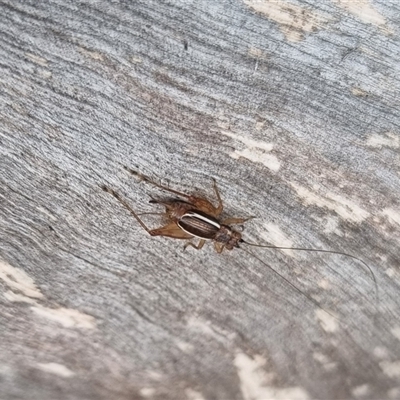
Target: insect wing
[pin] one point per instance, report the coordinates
(199, 224)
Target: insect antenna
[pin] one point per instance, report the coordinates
(316, 251)
(290, 283)
(322, 251)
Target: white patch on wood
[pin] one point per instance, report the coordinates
(361, 390)
(327, 321)
(356, 91)
(193, 395)
(331, 225)
(396, 332)
(95, 55)
(391, 368)
(56, 369)
(67, 317)
(324, 284)
(381, 352)
(259, 125)
(274, 235)
(201, 326)
(18, 298)
(392, 214)
(17, 279)
(45, 73)
(205, 327)
(344, 207)
(254, 381)
(294, 21)
(147, 392)
(135, 60)
(388, 139)
(156, 376)
(256, 151)
(257, 53)
(363, 10)
(325, 361)
(256, 154)
(394, 393)
(185, 347)
(391, 272)
(37, 59)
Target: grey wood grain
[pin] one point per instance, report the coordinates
(291, 106)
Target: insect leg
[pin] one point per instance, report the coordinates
(171, 230)
(127, 206)
(148, 180)
(219, 247)
(220, 207)
(152, 213)
(198, 247)
(206, 206)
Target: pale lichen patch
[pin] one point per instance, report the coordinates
(324, 284)
(396, 332)
(184, 346)
(273, 234)
(381, 352)
(257, 53)
(363, 10)
(327, 321)
(37, 59)
(67, 317)
(205, 327)
(17, 279)
(258, 155)
(200, 325)
(331, 225)
(94, 55)
(325, 361)
(361, 390)
(192, 394)
(56, 369)
(45, 73)
(394, 393)
(135, 60)
(294, 21)
(392, 215)
(390, 368)
(344, 207)
(356, 91)
(147, 392)
(255, 382)
(18, 298)
(255, 151)
(388, 139)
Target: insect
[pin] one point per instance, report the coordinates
(197, 217)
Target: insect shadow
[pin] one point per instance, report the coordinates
(197, 217)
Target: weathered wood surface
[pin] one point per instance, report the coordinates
(292, 106)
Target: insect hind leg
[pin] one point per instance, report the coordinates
(127, 206)
(149, 180)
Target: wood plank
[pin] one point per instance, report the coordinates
(292, 107)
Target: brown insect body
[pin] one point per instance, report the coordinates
(199, 224)
(196, 217)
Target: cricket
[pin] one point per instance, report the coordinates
(188, 217)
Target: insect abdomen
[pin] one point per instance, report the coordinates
(199, 224)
